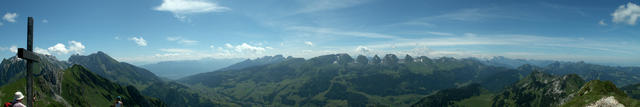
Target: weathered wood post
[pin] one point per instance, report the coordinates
(30, 56)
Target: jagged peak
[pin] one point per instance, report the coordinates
(94, 56)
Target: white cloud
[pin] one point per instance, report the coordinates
(58, 48)
(41, 51)
(211, 46)
(628, 14)
(173, 38)
(188, 42)
(602, 23)
(268, 47)
(75, 46)
(248, 48)
(10, 17)
(441, 33)
(419, 23)
(362, 49)
(308, 43)
(228, 45)
(470, 35)
(183, 41)
(139, 40)
(328, 31)
(45, 21)
(13, 49)
(181, 8)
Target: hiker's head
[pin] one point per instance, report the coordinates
(18, 96)
(119, 98)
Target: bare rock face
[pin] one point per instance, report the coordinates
(49, 71)
(606, 102)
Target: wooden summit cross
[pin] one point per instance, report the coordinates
(30, 56)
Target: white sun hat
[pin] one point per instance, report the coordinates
(18, 96)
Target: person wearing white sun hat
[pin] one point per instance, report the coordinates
(18, 96)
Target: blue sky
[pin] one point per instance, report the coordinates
(147, 31)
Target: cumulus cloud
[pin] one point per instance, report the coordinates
(308, 43)
(58, 48)
(363, 49)
(13, 49)
(211, 46)
(10, 17)
(41, 51)
(181, 8)
(75, 46)
(248, 48)
(139, 40)
(183, 41)
(628, 14)
(228, 45)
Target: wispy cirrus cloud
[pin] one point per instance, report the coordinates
(330, 31)
(176, 50)
(524, 41)
(462, 15)
(183, 41)
(182, 8)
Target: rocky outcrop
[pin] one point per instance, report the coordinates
(607, 102)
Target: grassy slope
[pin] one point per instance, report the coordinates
(483, 100)
(7, 90)
(80, 88)
(595, 90)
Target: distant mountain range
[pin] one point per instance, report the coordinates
(179, 69)
(255, 62)
(502, 61)
(331, 80)
(338, 79)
